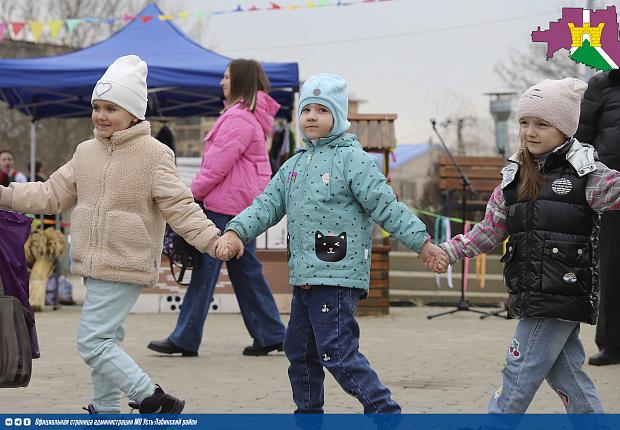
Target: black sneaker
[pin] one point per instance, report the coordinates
(90, 409)
(605, 357)
(159, 403)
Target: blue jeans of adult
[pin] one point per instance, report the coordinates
(322, 332)
(545, 348)
(258, 307)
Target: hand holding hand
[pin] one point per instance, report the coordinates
(228, 246)
(434, 257)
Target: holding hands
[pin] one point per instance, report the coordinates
(228, 246)
(434, 257)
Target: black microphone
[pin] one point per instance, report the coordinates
(433, 122)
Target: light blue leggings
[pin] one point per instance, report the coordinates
(101, 331)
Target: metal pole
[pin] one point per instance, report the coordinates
(33, 149)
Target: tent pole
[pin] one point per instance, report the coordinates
(33, 149)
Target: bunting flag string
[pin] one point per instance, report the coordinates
(53, 27)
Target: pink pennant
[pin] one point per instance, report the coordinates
(128, 18)
(2, 31)
(17, 27)
(253, 8)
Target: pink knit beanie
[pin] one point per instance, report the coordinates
(556, 101)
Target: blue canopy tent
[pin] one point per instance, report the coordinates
(183, 77)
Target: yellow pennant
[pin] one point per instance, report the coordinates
(165, 17)
(55, 27)
(36, 27)
(183, 15)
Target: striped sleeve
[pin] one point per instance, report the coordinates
(485, 236)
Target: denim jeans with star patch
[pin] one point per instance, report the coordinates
(322, 332)
(545, 348)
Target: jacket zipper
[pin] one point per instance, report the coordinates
(302, 195)
(96, 233)
(528, 259)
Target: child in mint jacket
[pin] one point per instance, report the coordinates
(332, 192)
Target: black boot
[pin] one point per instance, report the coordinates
(159, 403)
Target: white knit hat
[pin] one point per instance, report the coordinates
(124, 83)
(556, 101)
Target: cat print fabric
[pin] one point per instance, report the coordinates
(330, 248)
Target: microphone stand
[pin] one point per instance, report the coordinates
(463, 305)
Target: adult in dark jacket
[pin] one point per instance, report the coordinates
(599, 125)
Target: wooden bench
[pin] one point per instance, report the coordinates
(484, 175)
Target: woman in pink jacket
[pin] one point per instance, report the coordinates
(235, 169)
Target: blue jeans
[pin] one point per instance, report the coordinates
(545, 348)
(322, 331)
(258, 307)
(100, 334)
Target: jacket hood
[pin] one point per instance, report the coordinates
(266, 109)
(330, 91)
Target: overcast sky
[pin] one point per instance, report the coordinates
(414, 58)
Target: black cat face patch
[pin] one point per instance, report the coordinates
(330, 248)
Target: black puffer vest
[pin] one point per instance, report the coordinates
(551, 260)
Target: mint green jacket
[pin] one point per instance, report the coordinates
(332, 191)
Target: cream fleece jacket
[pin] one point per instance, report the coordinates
(124, 189)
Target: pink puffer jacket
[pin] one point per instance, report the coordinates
(235, 164)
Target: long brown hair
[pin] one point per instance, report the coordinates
(247, 78)
(530, 177)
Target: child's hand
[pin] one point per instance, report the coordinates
(434, 257)
(228, 246)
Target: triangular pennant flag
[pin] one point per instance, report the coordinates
(72, 24)
(54, 26)
(310, 4)
(165, 17)
(183, 15)
(293, 6)
(239, 9)
(2, 31)
(36, 28)
(109, 21)
(253, 8)
(275, 6)
(128, 17)
(218, 12)
(91, 19)
(17, 27)
(145, 18)
(323, 3)
(200, 14)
